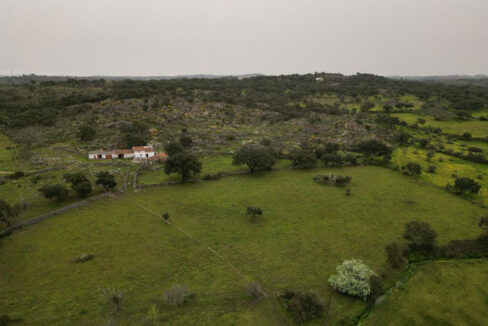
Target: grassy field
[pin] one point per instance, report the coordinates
(210, 165)
(446, 167)
(439, 293)
(306, 230)
(476, 128)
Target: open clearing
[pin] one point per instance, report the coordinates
(306, 231)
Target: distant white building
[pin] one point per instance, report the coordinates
(137, 153)
(319, 79)
(142, 152)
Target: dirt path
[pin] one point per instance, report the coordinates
(282, 320)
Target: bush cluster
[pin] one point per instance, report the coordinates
(302, 305)
(332, 179)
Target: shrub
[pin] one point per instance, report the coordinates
(84, 258)
(17, 175)
(421, 236)
(86, 133)
(165, 215)
(7, 320)
(173, 148)
(176, 296)
(333, 159)
(332, 179)
(366, 106)
(36, 179)
(431, 168)
(423, 142)
(114, 296)
(466, 136)
(186, 141)
(215, 176)
(7, 212)
(54, 191)
(303, 306)
(130, 139)
(372, 148)
(475, 149)
(327, 148)
(376, 289)
(253, 211)
(79, 183)
(83, 189)
(301, 158)
(253, 289)
(256, 157)
(413, 168)
(352, 278)
(106, 180)
(153, 316)
(464, 186)
(394, 253)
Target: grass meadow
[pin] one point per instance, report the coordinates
(306, 230)
(446, 168)
(476, 128)
(452, 292)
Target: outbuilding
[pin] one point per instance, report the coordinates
(143, 152)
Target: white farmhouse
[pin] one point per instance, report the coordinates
(95, 155)
(143, 152)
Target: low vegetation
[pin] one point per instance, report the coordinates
(369, 186)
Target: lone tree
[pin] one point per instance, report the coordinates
(7, 212)
(79, 183)
(253, 211)
(421, 236)
(106, 180)
(353, 278)
(256, 157)
(86, 133)
(184, 163)
(57, 191)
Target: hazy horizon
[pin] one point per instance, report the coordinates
(217, 37)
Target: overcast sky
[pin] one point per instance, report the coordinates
(159, 37)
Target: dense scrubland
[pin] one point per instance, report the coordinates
(272, 183)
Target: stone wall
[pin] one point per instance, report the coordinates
(38, 219)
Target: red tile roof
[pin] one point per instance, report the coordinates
(142, 149)
(123, 151)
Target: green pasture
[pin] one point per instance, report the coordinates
(453, 292)
(306, 230)
(476, 128)
(210, 165)
(447, 167)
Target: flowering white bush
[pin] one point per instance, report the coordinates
(353, 278)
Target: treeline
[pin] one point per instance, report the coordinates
(38, 102)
